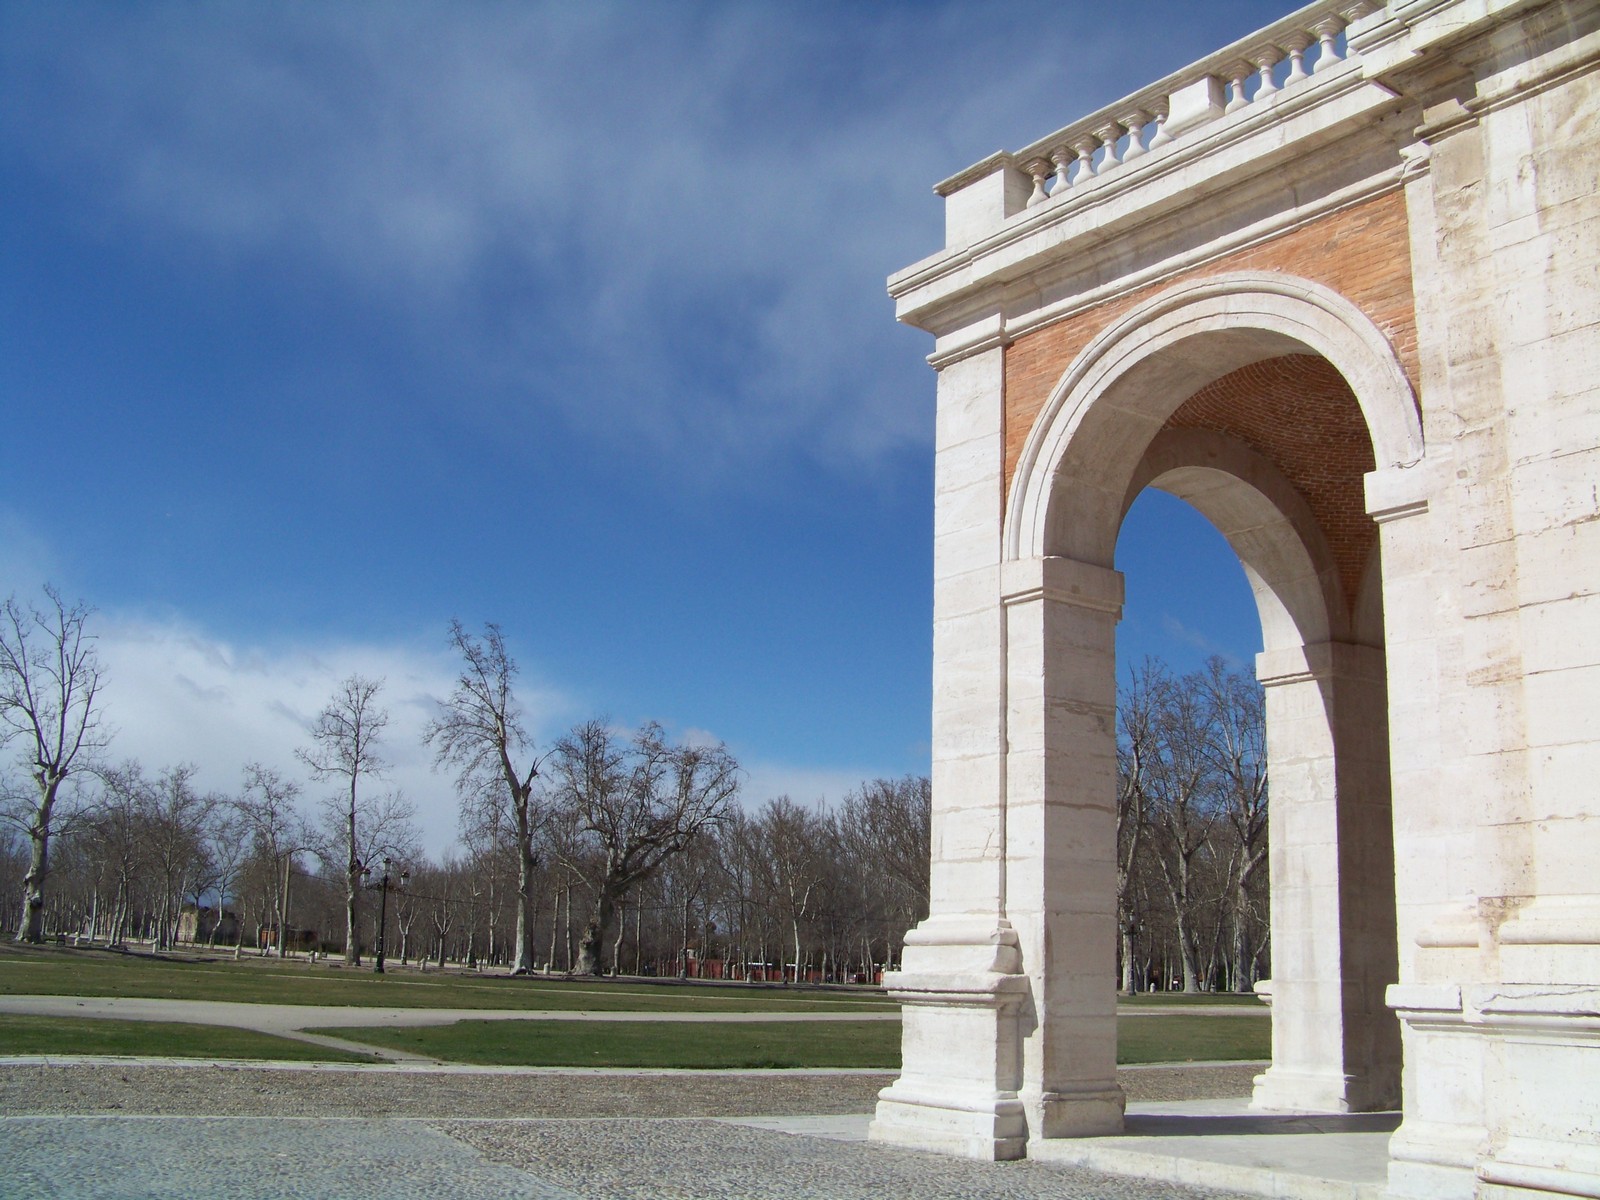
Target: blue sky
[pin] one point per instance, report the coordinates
(323, 324)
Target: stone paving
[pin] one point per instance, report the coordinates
(115, 1130)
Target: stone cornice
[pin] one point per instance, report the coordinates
(1231, 154)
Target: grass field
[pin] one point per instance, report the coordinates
(1142, 1037)
(646, 1043)
(161, 1039)
(1184, 1037)
(1177, 1038)
(55, 972)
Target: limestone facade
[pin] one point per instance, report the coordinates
(1338, 286)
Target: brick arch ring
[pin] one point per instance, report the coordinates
(1068, 492)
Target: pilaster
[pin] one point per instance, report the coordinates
(1061, 780)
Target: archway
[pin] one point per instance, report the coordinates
(1187, 393)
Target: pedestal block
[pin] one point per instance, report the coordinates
(960, 994)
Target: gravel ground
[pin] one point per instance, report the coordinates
(699, 1160)
(96, 1132)
(257, 1091)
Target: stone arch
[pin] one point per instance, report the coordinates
(1101, 438)
(1066, 498)
(1285, 555)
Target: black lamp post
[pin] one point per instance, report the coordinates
(383, 906)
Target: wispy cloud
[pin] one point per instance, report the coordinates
(642, 218)
(26, 557)
(177, 694)
(1193, 638)
(667, 225)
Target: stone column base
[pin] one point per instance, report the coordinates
(1089, 1112)
(957, 1091)
(986, 1127)
(1279, 1089)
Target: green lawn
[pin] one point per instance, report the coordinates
(56, 972)
(646, 1043)
(1182, 1037)
(1177, 1038)
(160, 1039)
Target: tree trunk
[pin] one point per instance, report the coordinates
(352, 933)
(616, 947)
(555, 928)
(523, 962)
(568, 963)
(352, 946)
(594, 931)
(683, 944)
(1191, 979)
(30, 926)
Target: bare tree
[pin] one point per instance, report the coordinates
(479, 732)
(1239, 759)
(172, 822)
(50, 682)
(228, 845)
(344, 740)
(114, 838)
(1182, 808)
(268, 806)
(791, 842)
(1136, 746)
(635, 803)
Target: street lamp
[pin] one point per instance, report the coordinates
(383, 906)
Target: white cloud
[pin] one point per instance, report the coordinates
(176, 695)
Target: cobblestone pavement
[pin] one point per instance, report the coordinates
(250, 1090)
(107, 1132)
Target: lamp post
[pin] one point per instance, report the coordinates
(383, 905)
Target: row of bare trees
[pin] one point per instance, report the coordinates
(600, 851)
(613, 821)
(787, 892)
(1191, 829)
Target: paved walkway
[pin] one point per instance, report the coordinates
(755, 1157)
(413, 1128)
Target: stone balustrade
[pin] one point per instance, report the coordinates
(1284, 58)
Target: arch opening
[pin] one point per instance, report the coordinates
(1265, 412)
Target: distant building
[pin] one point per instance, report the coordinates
(205, 924)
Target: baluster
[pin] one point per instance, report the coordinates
(1062, 156)
(1265, 59)
(1039, 168)
(1236, 74)
(1108, 135)
(1134, 122)
(1162, 137)
(1326, 30)
(1085, 146)
(1297, 45)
